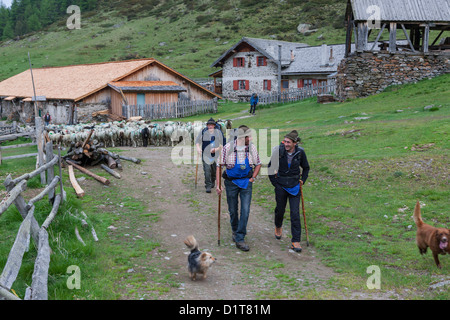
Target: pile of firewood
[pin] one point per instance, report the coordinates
(91, 153)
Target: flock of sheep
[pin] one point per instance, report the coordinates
(130, 133)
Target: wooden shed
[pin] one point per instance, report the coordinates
(412, 18)
(88, 88)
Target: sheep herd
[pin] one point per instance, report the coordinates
(130, 133)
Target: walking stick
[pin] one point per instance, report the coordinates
(304, 215)
(196, 171)
(219, 183)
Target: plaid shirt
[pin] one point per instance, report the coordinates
(228, 158)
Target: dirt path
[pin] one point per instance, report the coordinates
(268, 271)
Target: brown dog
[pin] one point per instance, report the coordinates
(427, 236)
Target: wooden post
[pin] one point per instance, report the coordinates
(363, 32)
(392, 37)
(74, 182)
(89, 173)
(50, 170)
(279, 72)
(40, 145)
(426, 38)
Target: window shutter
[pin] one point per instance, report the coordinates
(300, 83)
(247, 85)
(269, 85)
(314, 82)
(235, 85)
(264, 61)
(234, 62)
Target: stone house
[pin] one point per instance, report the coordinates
(260, 66)
(74, 92)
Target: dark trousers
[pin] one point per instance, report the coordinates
(234, 195)
(252, 108)
(210, 174)
(281, 197)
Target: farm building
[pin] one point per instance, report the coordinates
(75, 92)
(368, 68)
(263, 66)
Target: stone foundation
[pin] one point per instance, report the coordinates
(368, 73)
(58, 110)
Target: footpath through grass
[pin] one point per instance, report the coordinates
(371, 160)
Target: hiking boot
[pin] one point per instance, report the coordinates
(208, 189)
(278, 233)
(242, 246)
(296, 247)
(233, 237)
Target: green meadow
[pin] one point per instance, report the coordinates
(371, 159)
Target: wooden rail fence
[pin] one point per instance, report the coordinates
(30, 228)
(179, 109)
(295, 94)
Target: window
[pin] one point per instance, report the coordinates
(306, 83)
(238, 62)
(261, 61)
(267, 85)
(241, 85)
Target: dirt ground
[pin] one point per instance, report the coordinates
(270, 270)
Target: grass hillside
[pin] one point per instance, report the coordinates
(371, 159)
(186, 35)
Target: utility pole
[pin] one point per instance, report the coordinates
(279, 72)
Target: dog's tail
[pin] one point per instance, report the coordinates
(191, 243)
(417, 217)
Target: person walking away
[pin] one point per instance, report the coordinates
(253, 102)
(241, 161)
(284, 174)
(208, 143)
(47, 119)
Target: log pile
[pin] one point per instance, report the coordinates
(92, 153)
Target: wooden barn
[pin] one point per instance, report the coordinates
(410, 19)
(77, 91)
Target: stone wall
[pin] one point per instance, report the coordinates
(58, 110)
(368, 73)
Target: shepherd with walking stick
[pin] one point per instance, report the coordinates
(288, 171)
(208, 144)
(241, 160)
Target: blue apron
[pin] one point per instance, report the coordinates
(238, 171)
(294, 190)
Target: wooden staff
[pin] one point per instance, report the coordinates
(219, 183)
(304, 215)
(196, 171)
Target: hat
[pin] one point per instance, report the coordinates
(211, 121)
(293, 135)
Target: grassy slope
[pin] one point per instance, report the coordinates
(194, 36)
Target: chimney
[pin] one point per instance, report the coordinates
(292, 55)
(331, 54)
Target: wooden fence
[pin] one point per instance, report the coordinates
(31, 229)
(179, 109)
(296, 94)
(4, 129)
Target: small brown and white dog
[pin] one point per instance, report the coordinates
(427, 236)
(198, 262)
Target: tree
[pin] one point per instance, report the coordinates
(8, 31)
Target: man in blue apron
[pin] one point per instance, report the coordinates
(208, 144)
(284, 174)
(241, 161)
